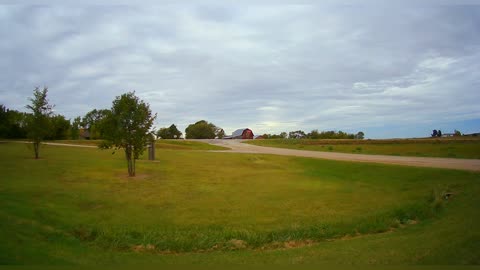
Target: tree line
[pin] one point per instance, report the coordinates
(315, 134)
(438, 133)
(13, 125)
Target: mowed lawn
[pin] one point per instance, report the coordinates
(160, 144)
(444, 147)
(77, 206)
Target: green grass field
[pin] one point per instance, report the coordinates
(77, 206)
(186, 145)
(159, 144)
(445, 147)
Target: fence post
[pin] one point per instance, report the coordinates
(151, 150)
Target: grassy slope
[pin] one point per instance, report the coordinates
(452, 148)
(69, 208)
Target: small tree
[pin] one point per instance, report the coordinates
(457, 133)
(439, 134)
(360, 135)
(128, 126)
(38, 124)
(220, 133)
(434, 133)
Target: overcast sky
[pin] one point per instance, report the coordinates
(388, 71)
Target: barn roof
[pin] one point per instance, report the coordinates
(238, 132)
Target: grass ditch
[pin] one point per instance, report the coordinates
(214, 238)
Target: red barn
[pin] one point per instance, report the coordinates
(243, 133)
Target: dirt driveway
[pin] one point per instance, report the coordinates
(448, 163)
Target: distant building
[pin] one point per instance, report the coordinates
(243, 133)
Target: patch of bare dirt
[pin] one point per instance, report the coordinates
(237, 244)
(297, 244)
(143, 248)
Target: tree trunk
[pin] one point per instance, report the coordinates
(36, 148)
(133, 167)
(130, 161)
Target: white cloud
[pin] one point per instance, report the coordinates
(271, 68)
(437, 63)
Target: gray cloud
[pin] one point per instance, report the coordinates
(272, 68)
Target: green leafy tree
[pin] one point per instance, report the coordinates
(13, 124)
(164, 133)
(75, 128)
(128, 126)
(92, 120)
(282, 135)
(169, 133)
(315, 134)
(175, 133)
(220, 133)
(59, 128)
(360, 135)
(201, 130)
(457, 133)
(38, 124)
(4, 121)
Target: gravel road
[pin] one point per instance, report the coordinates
(447, 163)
